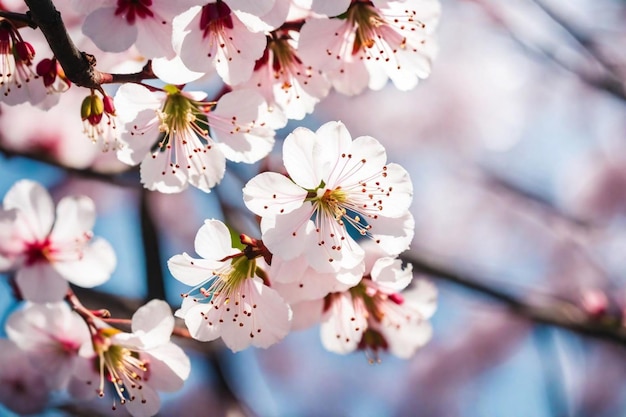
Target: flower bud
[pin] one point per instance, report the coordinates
(24, 51)
(92, 109)
(109, 107)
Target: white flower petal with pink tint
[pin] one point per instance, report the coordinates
(35, 207)
(324, 7)
(108, 32)
(268, 21)
(258, 7)
(296, 281)
(41, 283)
(212, 241)
(257, 316)
(173, 71)
(260, 197)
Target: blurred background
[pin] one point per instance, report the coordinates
(516, 145)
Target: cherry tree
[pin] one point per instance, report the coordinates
(173, 104)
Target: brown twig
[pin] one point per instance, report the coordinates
(117, 178)
(79, 67)
(556, 313)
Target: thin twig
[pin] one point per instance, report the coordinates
(118, 178)
(586, 42)
(18, 19)
(556, 313)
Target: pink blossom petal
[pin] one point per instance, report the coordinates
(95, 267)
(154, 38)
(393, 235)
(213, 241)
(247, 137)
(269, 322)
(328, 7)
(156, 175)
(191, 271)
(41, 283)
(173, 71)
(146, 401)
(270, 193)
(388, 273)
(299, 156)
(36, 209)
(197, 323)
(51, 334)
(75, 217)
(306, 314)
(258, 7)
(288, 235)
(154, 323)
(109, 32)
(342, 327)
(169, 367)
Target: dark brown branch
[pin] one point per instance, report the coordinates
(79, 67)
(18, 19)
(117, 178)
(155, 281)
(556, 312)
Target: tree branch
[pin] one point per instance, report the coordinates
(558, 313)
(117, 178)
(79, 67)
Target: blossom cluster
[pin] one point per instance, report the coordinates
(332, 224)
(275, 58)
(53, 347)
(332, 228)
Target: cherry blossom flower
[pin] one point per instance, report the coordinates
(137, 364)
(16, 68)
(229, 299)
(373, 43)
(119, 24)
(324, 7)
(284, 80)
(47, 252)
(379, 314)
(180, 139)
(335, 185)
(23, 388)
(51, 335)
(212, 36)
